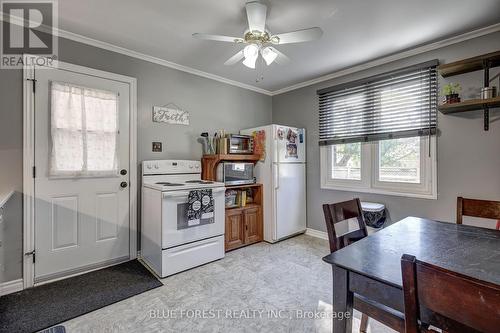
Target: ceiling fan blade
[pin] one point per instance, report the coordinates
(234, 59)
(298, 36)
(218, 38)
(256, 15)
(281, 59)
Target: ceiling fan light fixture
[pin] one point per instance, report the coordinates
(259, 41)
(250, 62)
(251, 53)
(269, 55)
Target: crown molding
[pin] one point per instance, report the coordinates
(397, 56)
(350, 70)
(134, 54)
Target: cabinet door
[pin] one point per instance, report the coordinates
(253, 225)
(235, 232)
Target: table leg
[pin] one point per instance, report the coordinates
(342, 301)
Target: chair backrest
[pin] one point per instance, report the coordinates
(341, 211)
(477, 208)
(448, 300)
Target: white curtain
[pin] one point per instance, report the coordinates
(84, 131)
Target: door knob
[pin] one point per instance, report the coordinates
(123, 172)
(123, 184)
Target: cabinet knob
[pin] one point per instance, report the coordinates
(123, 184)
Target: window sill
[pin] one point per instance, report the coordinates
(432, 196)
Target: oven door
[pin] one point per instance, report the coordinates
(175, 227)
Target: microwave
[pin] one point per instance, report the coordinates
(234, 173)
(240, 144)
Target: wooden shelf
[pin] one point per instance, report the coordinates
(470, 65)
(247, 206)
(234, 187)
(243, 225)
(209, 162)
(233, 157)
(469, 105)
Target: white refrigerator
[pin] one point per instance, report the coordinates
(283, 173)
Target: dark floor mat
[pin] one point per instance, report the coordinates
(37, 308)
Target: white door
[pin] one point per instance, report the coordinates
(82, 144)
(290, 143)
(290, 191)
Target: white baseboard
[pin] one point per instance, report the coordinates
(316, 233)
(11, 287)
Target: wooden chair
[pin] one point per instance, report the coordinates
(338, 212)
(478, 208)
(451, 301)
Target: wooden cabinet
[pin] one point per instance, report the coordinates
(253, 225)
(235, 229)
(243, 226)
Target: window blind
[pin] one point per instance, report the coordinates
(398, 104)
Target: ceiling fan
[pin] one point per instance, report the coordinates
(259, 40)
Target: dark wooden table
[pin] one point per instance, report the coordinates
(371, 267)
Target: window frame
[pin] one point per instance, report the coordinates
(369, 183)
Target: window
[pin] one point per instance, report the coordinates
(393, 167)
(346, 161)
(399, 160)
(84, 130)
(377, 134)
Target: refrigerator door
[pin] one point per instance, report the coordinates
(289, 144)
(290, 193)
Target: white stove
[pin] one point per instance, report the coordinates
(172, 243)
(174, 175)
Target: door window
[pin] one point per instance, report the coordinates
(84, 131)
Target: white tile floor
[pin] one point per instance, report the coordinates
(260, 288)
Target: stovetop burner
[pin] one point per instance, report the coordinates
(199, 182)
(169, 184)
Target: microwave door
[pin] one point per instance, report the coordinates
(238, 173)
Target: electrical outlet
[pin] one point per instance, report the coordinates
(157, 147)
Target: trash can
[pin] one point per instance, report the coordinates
(374, 214)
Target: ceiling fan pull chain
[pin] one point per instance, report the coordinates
(260, 75)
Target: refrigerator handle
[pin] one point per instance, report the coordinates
(276, 176)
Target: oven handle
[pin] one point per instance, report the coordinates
(176, 194)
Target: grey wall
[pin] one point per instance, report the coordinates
(212, 105)
(468, 157)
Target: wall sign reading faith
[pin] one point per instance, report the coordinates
(170, 114)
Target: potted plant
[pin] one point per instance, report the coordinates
(450, 92)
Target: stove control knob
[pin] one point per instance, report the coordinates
(197, 167)
(148, 166)
(190, 166)
(156, 166)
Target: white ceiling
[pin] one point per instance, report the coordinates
(355, 31)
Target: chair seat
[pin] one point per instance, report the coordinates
(353, 240)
